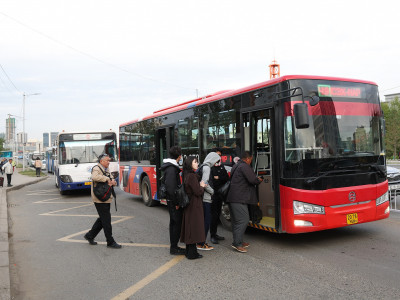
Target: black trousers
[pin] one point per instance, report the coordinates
(216, 206)
(9, 179)
(37, 171)
(175, 224)
(103, 222)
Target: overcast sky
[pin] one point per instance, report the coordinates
(97, 64)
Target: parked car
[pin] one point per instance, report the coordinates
(393, 176)
(43, 164)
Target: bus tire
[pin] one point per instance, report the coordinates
(225, 217)
(146, 192)
(56, 180)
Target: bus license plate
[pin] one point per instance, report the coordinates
(88, 183)
(352, 218)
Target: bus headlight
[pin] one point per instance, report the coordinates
(66, 178)
(302, 223)
(307, 208)
(382, 199)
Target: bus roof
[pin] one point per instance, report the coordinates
(229, 93)
(84, 132)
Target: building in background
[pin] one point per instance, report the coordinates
(49, 139)
(46, 139)
(10, 130)
(391, 97)
(53, 138)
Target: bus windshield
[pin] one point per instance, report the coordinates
(345, 133)
(75, 152)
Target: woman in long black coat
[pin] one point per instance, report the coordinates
(192, 231)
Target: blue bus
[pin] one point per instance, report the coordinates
(51, 156)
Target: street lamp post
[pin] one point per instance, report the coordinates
(23, 128)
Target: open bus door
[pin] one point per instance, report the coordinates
(257, 139)
(164, 141)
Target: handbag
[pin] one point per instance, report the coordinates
(102, 190)
(181, 196)
(255, 213)
(223, 190)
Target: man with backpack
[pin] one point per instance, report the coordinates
(172, 180)
(205, 173)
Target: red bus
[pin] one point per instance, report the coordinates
(317, 141)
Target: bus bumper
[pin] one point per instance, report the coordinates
(70, 186)
(335, 217)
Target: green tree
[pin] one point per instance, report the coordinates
(391, 112)
(1, 144)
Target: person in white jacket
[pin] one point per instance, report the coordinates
(8, 169)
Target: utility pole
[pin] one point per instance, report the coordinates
(23, 128)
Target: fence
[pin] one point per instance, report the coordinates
(394, 196)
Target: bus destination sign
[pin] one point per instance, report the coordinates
(338, 91)
(87, 136)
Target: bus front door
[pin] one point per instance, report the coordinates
(257, 139)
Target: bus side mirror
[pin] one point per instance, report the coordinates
(301, 116)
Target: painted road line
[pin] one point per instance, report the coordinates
(149, 278)
(65, 209)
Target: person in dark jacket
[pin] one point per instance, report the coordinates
(171, 170)
(242, 192)
(219, 177)
(193, 216)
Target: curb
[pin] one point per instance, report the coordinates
(5, 284)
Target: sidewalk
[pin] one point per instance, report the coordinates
(18, 181)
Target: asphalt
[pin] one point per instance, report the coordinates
(18, 181)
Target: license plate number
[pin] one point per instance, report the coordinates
(352, 218)
(88, 183)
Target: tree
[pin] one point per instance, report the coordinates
(392, 116)
(1, 144)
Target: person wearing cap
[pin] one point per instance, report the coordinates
(100, 173)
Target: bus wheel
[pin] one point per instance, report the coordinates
(146, 192)
(56, 179)
(225, 217)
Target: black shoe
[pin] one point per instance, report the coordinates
(114, 245)
(91, 241)
(9, 185)
(214, 240)
(219, 238)
(195, 257)
(177, 251)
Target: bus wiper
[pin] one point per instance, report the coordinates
(78, 161)
(324, 174)
(374, 167)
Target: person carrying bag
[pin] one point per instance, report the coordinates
(101, 175)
